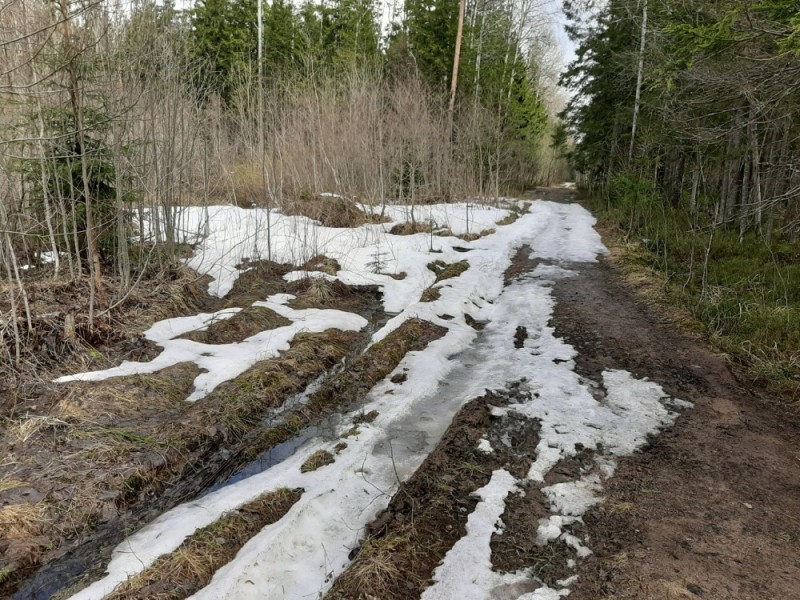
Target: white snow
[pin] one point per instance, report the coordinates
(229, 238)
(300, 555)
(460, 218)
(485, 446)
(223, 362)
(466, 572)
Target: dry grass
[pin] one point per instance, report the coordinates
(23, 521)
(509, 219)
(191, 567)
(238, 404)
(376, 363)
(267, 383)
(320, 458)
(319, 291)
(330, 211)
(7, 483)
(324, 264)
(410, 228)
(245, 323)
(424, 519)
(445, 270)
(119, 400)
(366, 417)
(50, 348)
(23, 429)
(123, 440)
(104, 444)
(430, 294)
(382, 569)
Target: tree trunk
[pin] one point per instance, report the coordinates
(456, 61)
(639, 72)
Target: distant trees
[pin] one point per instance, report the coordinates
(115, 114)
(713, 120)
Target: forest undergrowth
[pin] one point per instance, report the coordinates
(741, 293)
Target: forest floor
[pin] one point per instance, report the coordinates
(527, 425)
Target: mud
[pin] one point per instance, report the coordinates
(428, 514)
(711, 509)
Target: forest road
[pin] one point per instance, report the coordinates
(711, 508)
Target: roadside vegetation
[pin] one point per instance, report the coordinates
(687, 129)
(189, 568)
(741, 293)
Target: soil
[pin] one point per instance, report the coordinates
(711, 509)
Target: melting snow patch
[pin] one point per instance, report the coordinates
(300, 555)
(485, 446)
(223, 362)
(466, 571)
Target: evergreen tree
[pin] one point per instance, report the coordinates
(225, 37)
(284, 43)
(430, 30)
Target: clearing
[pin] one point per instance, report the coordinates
(478, 407)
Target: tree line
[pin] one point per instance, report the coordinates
(699, 100)
(686, 117)
(115, 114)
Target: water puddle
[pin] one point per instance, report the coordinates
(267, 460)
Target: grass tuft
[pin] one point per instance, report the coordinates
(445, 270)
(191, 567)
(242, 325)
(431, 294)
(379, 570)
(320, 458)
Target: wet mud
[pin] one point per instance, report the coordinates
(711, 508)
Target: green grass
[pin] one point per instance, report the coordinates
(744, 294)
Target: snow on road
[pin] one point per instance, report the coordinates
(300, 555)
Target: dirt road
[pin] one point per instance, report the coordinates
(708, 508)
(711, 508)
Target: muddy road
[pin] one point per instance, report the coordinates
(520, 425)
(709, 509)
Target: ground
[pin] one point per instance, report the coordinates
(528, 426)
(711, 508)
